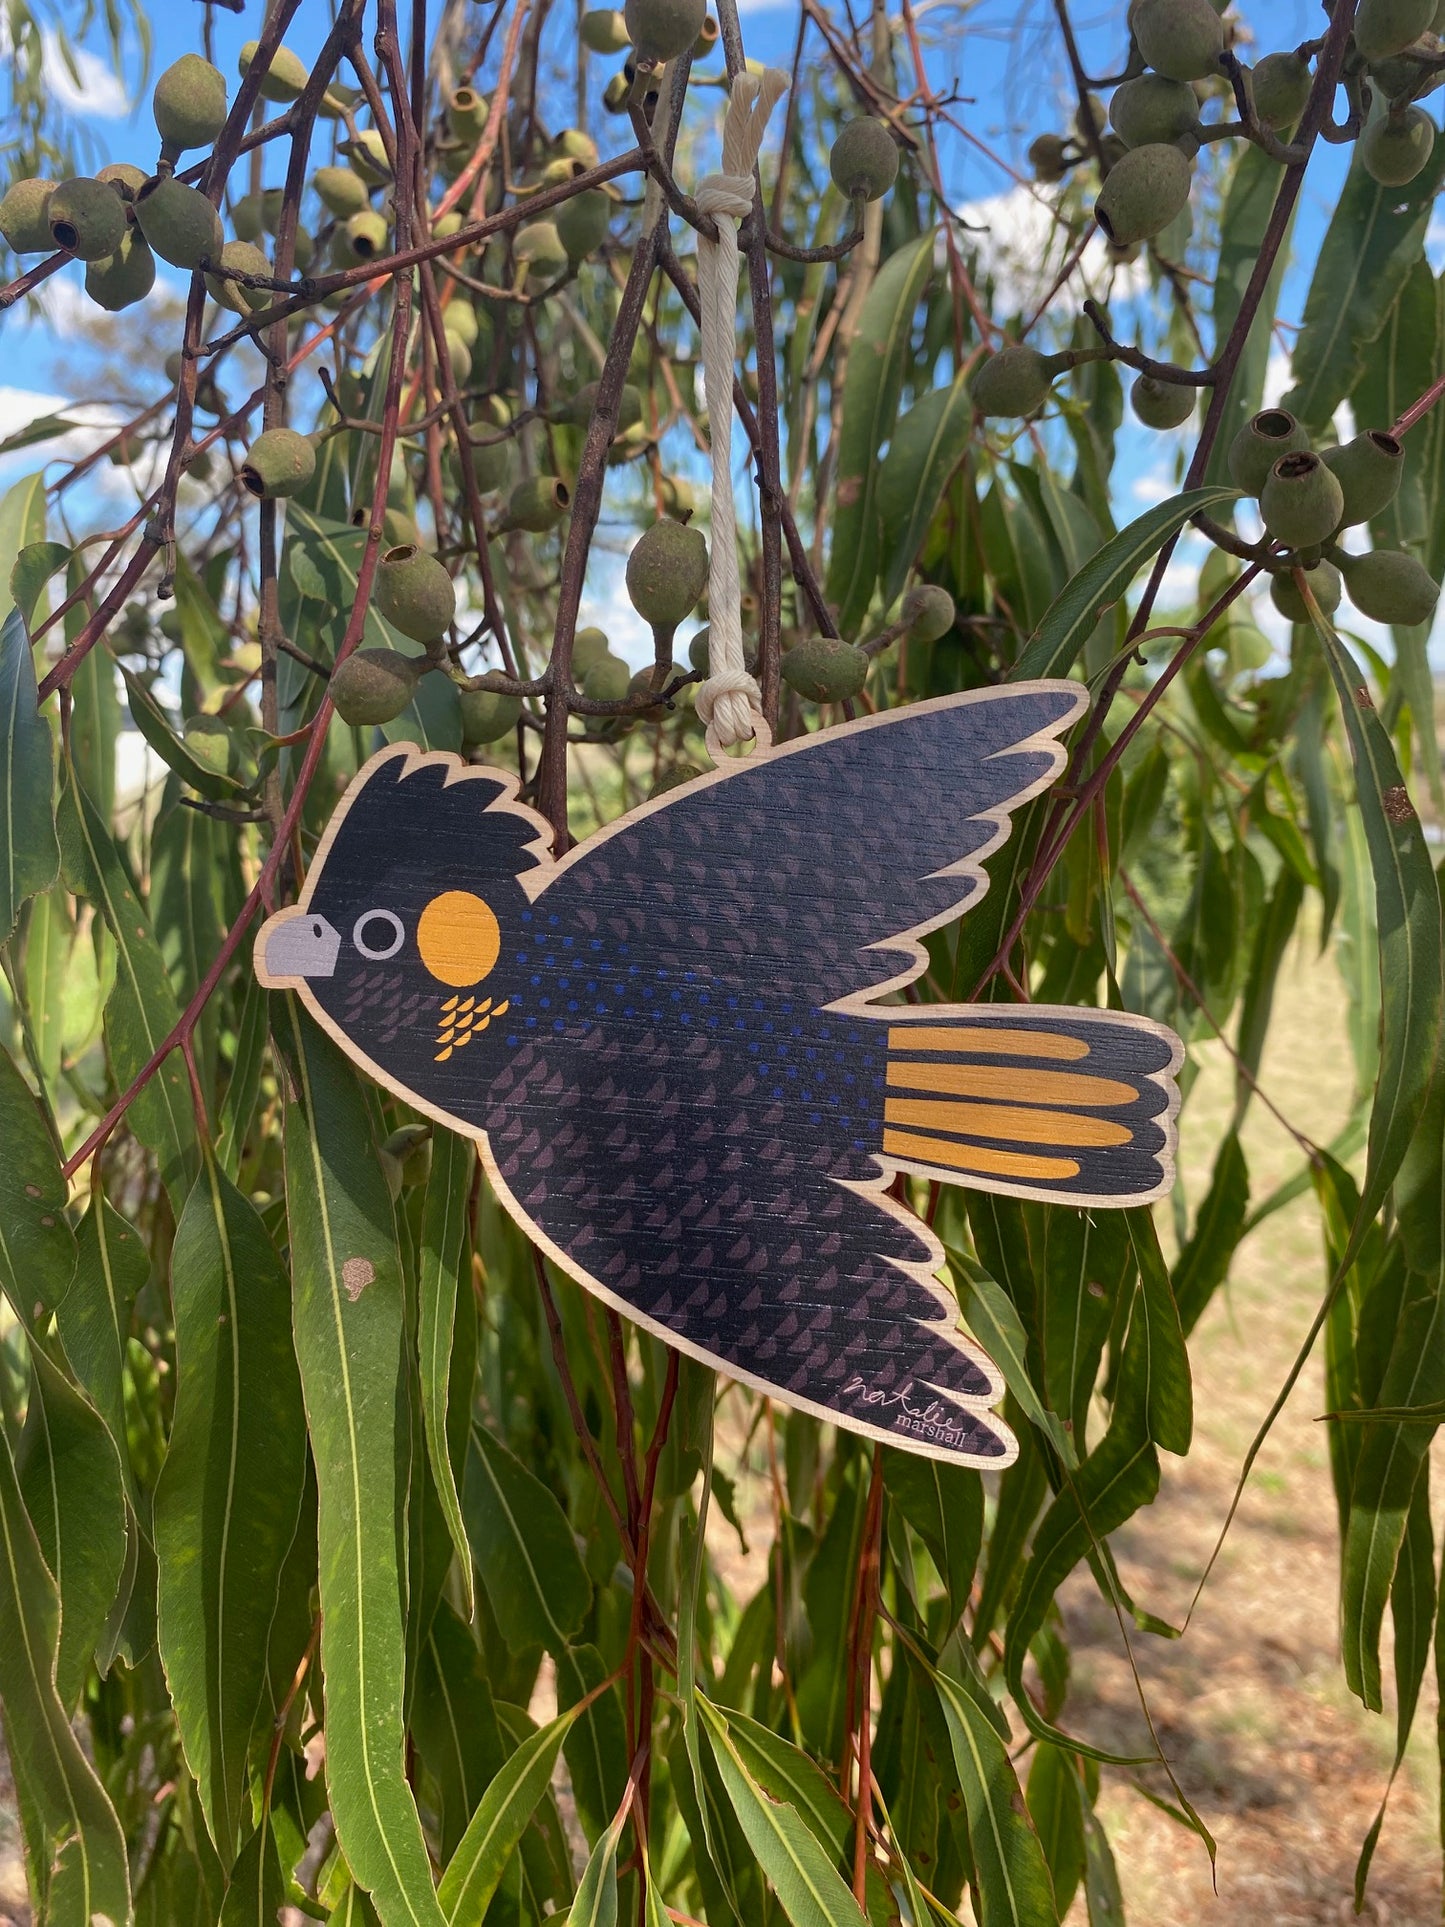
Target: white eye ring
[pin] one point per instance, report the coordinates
(378, 953)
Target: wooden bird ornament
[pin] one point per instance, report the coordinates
(677, 1052)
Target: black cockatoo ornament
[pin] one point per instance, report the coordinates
(682, 1052)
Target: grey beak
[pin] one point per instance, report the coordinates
(298, 946)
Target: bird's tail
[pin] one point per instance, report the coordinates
(1072, 1105)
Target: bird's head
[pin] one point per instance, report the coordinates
(412, 908)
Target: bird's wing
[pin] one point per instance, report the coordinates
(804, 872)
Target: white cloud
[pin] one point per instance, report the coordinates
(1023, 247)
(94, 88)
(1151, 488)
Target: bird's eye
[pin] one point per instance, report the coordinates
(378, 934)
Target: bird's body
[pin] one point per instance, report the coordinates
(672, 1049)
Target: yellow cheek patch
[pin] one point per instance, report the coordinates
(459, 938)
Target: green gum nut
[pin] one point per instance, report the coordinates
(581, 223)
(928, 611)
(538, 249)
(341, 191)
(1395, 149)
(25, 217)
(241, 257)
(1389, 586)
(1326, 586)
(122, 278)
(126, 178)
(1049, 159)
(706, 40)
(467, 114)
(189, 103)
(1301, 501)
(364, 236)
(246, 218)
(606, 680)
(663, 29)
(1369, 470)
(604, 31)
(373, 686)
(1182, 39)
(1385, 27)
(460, 318)
(824, 670)
(667, 573)
(537, 504)
(674, 779)
(415, 593)
(179, 222)
(576, 144)
(87, 217)
(1014, 382)
(1259, 445)
(588, 646)
(367, 154)
(1161, 404)
(487, 715)
(1279, 86)
(864, 160)
(446, 224)
(1153, 108)
(1146, 190)
(280, 462)
(491, 454)
(651, 682)
(459, 356)
(284, 80)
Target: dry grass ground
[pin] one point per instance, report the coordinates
(1285, 1768)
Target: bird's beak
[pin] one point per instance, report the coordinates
(295, 945)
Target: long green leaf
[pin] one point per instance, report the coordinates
(1013, 1881)
(1407, 904)
(1074, 613)
(878, 361)
(533, 1576)
(1254, 184)
(809, 1887)
(77, 1850)
(222, 1531)
(257, 1891)
(348, 1314)
(443, 1254)
(37, 1245)
(928, 444)
(22, 523)
(29, 853)
(595, 1902)
(475, 1870)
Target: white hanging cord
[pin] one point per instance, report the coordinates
(729, 702)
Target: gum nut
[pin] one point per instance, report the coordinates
(1384, 27)
(616, 94)
(460, 318)
(279, 462)
(1091, 117)
(415, 593)
(467, 114)
(606, 680)
(662, 29)
(491, 457)
(1161, 404)
(1143, 193)
(1394, 150)
(1153, 108)
(179, 222)
(577, 145)
(707, 39)
(1014, 382)
(1326, 586)
(409, 1149)
(1301, 502)
(211, 743)
(1389, 586)
(698, 649)
(87, 217)
(286, 77)
(604, 31)
(667, 573)
(679, 774)
(823, 670)
(1259, 445)
(446, 224)
(581, 223)
(1369, 469)
(1048, 157)
(122, 278)
(189, 102)
(588, 646)
(303, 249)
(341, 191)
(537, 504)
(1182, 39)
(864, 160)
(488, 714)
(651, 682)
(1279, 86)
(397, 528)
(373, 686)
(246, 218)
(364, 236)
(242, 257)
(539, 247)
(460, 357)
(125, 178)
(929, 611)
(367, 154)
(25, 217)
